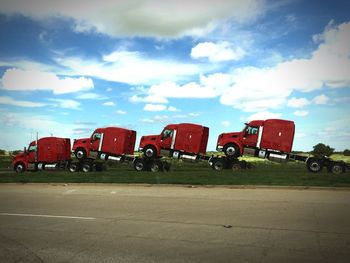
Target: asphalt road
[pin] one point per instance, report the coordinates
(116, 223)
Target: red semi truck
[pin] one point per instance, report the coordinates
(185, 140)
(176, 140)
(111, 143)
(271, 139)
(48, 153)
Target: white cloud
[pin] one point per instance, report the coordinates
(264, 115)
(170, 89)
(156, 119)
(253, 89)
(20, 103)
(149, 98)
(301, 113)
(29, 80)
(298, 102)
(18, 128)
(172, 108)
(321, 99)
(109, 103)
(154, 107)
(262, 88)
(90, 96)
(225, 123)
(141, 18)
(120, 112)
(300, 135)
(129, 67)
(67, 104)
(215, 52)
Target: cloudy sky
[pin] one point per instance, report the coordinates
(68, 67)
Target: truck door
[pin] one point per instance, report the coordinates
(96, 141)
(167, 138)
(32, 152)
(251, 136)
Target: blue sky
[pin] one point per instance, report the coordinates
(67, 68)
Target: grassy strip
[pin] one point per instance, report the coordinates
(264, 173)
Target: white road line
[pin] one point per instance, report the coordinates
(48, 216)
(69, 191)
(113, 192)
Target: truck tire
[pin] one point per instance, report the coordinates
(314, 165)
(218, 164)
(139, 165)
(80, 153)
(20, 167)
(236, 166)
(166, 166)
(156, 166)
(99, 167)
(150, 152)
(231, 150)
(337, 168)
(87, 167)
(73, 167)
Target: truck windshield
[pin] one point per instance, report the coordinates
(32, 148)
(167, 133)
(96, 136)
(251, 130)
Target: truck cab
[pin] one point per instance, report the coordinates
(45, 153)
(151, 145)
(176, 138)
(21, 161)
(273, 134)
(105, 143)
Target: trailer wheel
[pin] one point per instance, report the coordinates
(314, 165)
(80, 153)
(149, 151)
(73, 167)
(156, 166)
(218, 164)
(87, 167)
(231, 150)
(20, 168)
(337, 168)
(166, 166)
(99, 167)
(139, 165)
(236, 166)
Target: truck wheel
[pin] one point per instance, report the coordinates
(314, 165)
(139, 165)
(149, 151)
(337, 168)
(20, 168)
(156, 166)
(73, 167)
(231, 150)
(218, 164)
(80, 153)
(87, 167)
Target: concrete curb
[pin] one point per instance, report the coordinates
(277, 187)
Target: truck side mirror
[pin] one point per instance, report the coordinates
(25, 150)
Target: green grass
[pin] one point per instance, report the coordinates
(264, 173)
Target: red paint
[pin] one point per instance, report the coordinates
(183, 137)
(48, 151)
(115, 141)
(277, 135)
